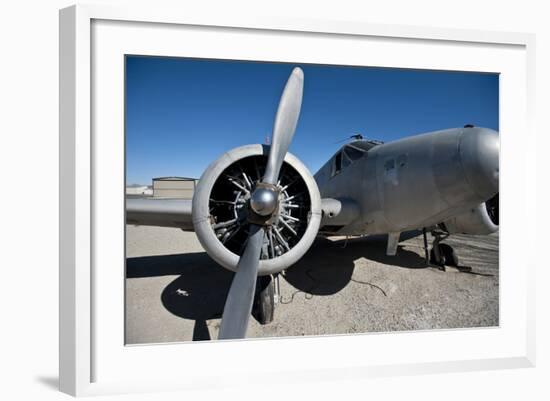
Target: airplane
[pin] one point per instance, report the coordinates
(257, 209)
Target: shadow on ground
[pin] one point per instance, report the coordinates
(328, 266)
(200, 291)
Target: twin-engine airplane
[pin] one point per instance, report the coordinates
(257, 209)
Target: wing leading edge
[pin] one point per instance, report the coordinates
(160, 212)
(178, 212)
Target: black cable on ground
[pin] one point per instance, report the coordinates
(308, 295)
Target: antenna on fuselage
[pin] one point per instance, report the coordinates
(354, 136)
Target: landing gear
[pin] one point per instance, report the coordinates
(440, 254)
(447, 256)
(263, 308)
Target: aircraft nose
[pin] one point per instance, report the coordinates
(479, 154)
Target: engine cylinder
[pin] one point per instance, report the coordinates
(221, 209)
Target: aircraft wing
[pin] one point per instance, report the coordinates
(160, 212)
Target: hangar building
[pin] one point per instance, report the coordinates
(174, 187)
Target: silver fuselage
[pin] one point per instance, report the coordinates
(415, 182)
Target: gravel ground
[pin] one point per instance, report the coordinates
(175, 292)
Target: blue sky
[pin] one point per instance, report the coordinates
(181, 113)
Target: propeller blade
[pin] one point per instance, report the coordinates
(285, 124)
(238, 304)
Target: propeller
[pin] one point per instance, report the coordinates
(263, 204)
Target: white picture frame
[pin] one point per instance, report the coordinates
(93, 358)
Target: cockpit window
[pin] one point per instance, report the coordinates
(346, 157)
(345, 161)
(354, 153)
(337, 167)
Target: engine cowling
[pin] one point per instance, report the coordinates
(221, 211)
(481, 220)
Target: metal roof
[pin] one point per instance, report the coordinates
(175, 179)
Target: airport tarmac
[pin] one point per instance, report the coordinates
(175, 292)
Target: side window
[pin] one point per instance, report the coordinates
(337, 164)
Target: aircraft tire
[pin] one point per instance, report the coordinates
(264, 302)
(433, 259)
(448, 252)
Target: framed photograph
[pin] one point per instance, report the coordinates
(257, 191)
